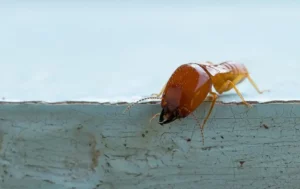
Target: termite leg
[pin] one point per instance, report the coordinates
(214, 97)
(237, 91)
(154, 117)
(160, 93)
(255, 86)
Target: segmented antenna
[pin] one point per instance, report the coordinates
(198, 122)
(130, 106)
(202, 134)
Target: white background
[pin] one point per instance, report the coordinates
(56, 51)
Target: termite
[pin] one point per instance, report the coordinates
(191, 83)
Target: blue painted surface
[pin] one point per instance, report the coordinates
(95, 146)
(55, 51)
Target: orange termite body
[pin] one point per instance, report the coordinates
(186, 89)
(191, 83)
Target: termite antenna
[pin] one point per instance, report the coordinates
(147, 98)
(198, 122)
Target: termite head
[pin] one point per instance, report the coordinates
(168, 116)
(171, 109)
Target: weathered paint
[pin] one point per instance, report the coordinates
(95, 146)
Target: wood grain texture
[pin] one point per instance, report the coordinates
(78, 146)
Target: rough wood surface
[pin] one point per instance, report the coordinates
(91, 146)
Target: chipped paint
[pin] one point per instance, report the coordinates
(94, 152)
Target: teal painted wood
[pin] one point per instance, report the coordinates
(95, 146)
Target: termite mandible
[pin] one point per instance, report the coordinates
(191, 83)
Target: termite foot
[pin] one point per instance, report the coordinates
(249, 105)
(267, 90)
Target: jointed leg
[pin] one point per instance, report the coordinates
(240, 95)
(230, 83)
(154, 116)
(255, 86)
(214, 97)
(161, 91)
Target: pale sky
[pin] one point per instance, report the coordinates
(105, 51)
